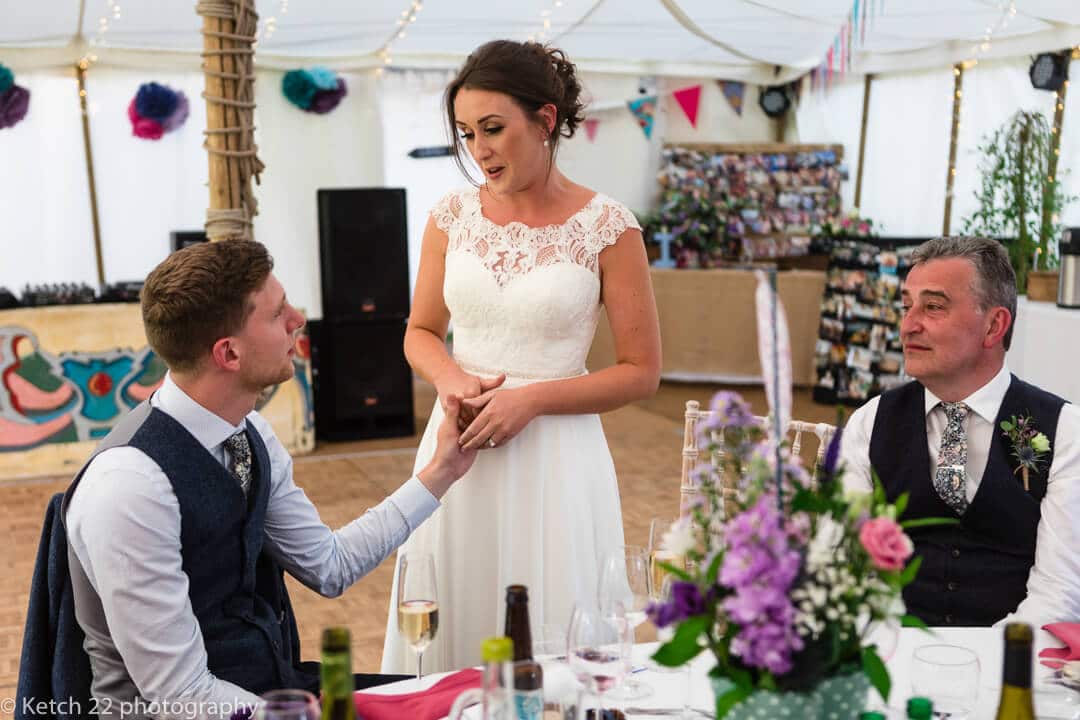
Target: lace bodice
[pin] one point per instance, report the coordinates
(524, 300)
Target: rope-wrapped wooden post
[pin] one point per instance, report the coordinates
(229, 28)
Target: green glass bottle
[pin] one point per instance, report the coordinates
(1015, 703)
(335, 675)
(871, 715)
(920, 708)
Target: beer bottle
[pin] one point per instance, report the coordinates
(528, 675)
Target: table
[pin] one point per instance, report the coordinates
(708, 324)
(1046, 347)
(1051, 702)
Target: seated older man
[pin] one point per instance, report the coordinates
(1016, 549)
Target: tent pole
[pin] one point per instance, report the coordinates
(867, 82)
(80, 73)
(950, 174)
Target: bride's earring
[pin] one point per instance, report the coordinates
(547, 143)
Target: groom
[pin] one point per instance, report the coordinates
(180, 525)
(939, 438)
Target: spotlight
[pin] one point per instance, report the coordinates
(1049, 71)
(775, 100)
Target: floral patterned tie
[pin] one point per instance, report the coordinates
(239, 450)
(950, 479)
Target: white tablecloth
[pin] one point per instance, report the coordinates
(1046, 347)
(1051, 702)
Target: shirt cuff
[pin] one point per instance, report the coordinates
(415, 502)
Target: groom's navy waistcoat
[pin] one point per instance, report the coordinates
(974, 573)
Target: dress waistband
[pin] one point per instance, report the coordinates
(510, 374)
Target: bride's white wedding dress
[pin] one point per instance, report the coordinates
(542, 509)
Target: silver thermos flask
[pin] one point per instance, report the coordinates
(1069, 275)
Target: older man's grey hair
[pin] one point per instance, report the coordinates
(995, 280)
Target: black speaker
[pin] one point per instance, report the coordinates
(364, 253)
(362, 383)
(180, 239)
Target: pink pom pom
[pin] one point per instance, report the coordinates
(142, 127)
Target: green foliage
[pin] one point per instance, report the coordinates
(1020, 195)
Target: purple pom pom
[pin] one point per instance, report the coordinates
(14, 103)
(327, 100)
(180, 114)
(155, 102)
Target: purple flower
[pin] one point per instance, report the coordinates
(686, 601)
(760, 566)
(832, 455)
(732, 410)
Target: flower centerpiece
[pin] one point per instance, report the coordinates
(788, 576)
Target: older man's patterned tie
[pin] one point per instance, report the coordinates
(950, 480)
(239, 449)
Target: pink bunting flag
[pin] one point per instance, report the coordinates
(590, 128)
(689, 99)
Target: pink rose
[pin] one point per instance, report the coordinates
(885, 541)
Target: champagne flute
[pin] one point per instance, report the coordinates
(598, 648)
(418, 603)
(659, 554)
(625, 579)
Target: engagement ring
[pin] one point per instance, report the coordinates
(491, 442)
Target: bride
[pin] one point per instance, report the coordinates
(521, 265)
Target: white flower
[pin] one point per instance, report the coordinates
(823, 545)
(679, 539)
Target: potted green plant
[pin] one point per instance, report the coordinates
(1021, 197)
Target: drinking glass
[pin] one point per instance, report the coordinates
(624, 579)
(657, 554)
(949, 676)
(288, 705)
(598, 648)
(418, 603)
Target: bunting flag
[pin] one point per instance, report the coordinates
(644, 110)
(689, 99)
(590, 128)
(733, 90)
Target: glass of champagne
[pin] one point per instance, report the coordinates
(418, 603)
(658, 554)
(625, 579)
(598, 648)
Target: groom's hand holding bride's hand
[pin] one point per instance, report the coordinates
(450, 461)
(501, 415)
(464, 386)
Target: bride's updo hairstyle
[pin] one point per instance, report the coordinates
(532, 74)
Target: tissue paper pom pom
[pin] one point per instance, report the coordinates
(155, 102)
(7, 79)
(299, 88)
(179, 115)
(13, 105)
(323, 77)
(327, 100)
(141, 127)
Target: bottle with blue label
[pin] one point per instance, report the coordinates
(528, 675)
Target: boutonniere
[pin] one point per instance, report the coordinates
(1028, 444)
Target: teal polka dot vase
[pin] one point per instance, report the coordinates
(838, 698)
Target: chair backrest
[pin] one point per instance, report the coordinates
(689, 490)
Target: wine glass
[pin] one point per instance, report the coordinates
(418, 603)
(658, 554)
(288, 705)
(949, 676)
(598, 648)
(624, 578)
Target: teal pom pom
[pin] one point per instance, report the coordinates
(299, 88)
(323, 77)
(7, 79)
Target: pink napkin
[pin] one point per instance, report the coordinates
(1068, 633)
(430, 704)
